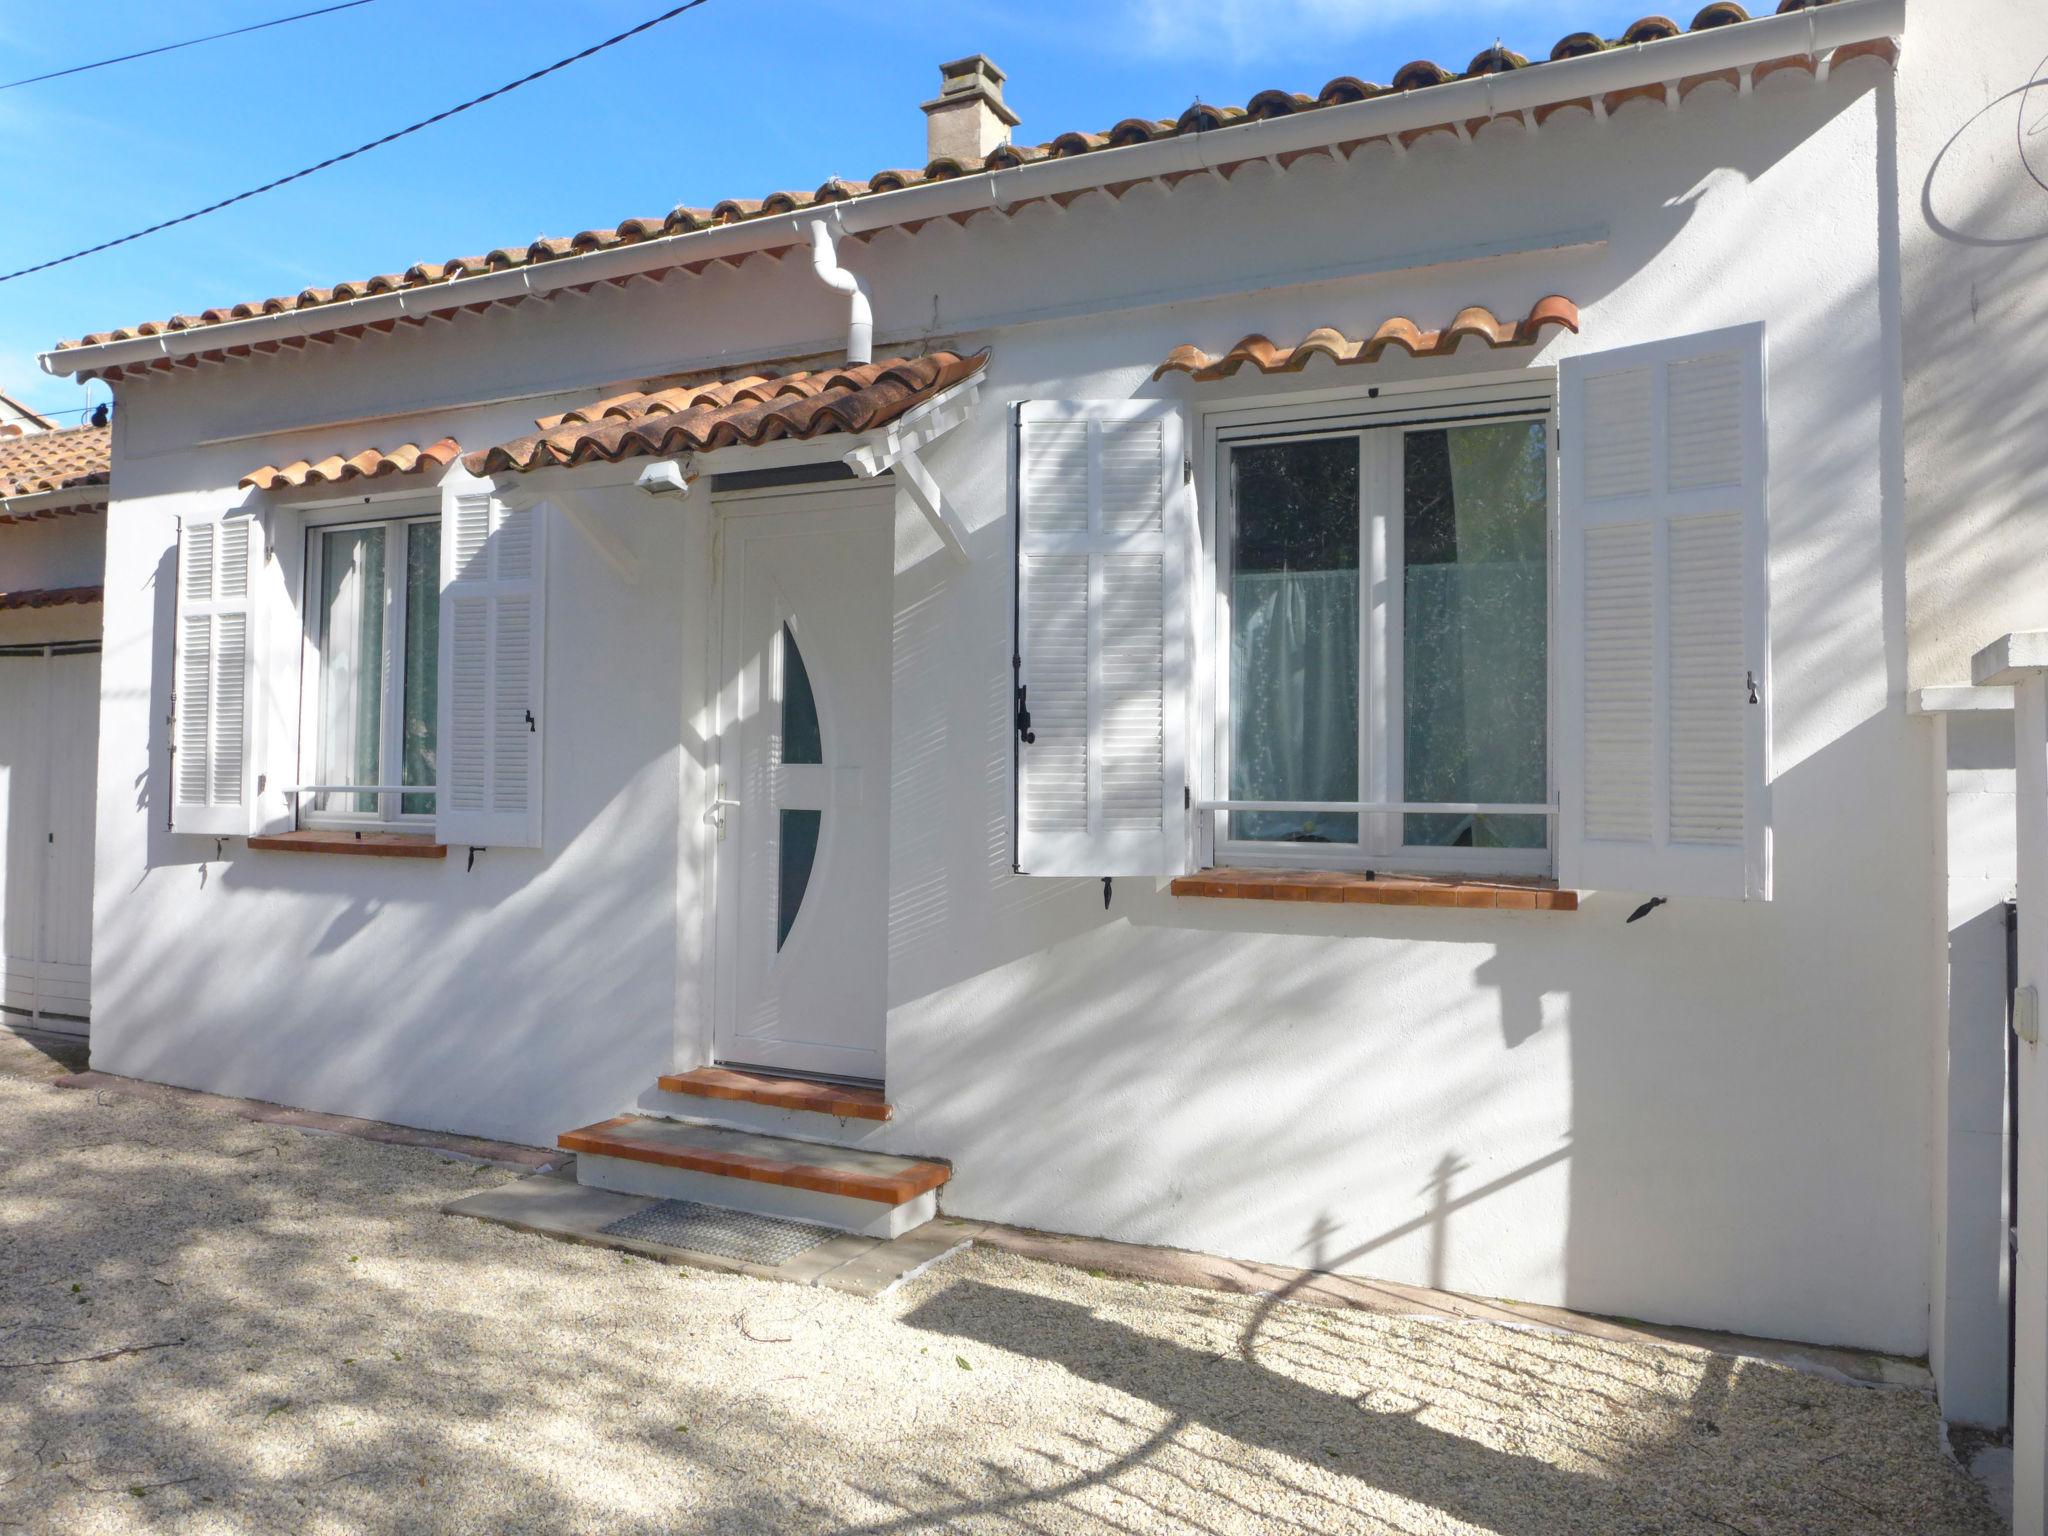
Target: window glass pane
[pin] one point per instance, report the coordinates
(1474, 636)
(798, 836)
(351, 664)
(802, 742)
(1294, 637)
(422, 661)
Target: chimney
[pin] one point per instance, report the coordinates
(967, 119)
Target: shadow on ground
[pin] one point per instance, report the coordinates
(213, 1324)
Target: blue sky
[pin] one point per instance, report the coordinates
(736, 99)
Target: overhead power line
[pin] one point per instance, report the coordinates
(190, 42)
(360, 149)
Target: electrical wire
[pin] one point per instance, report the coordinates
(360, 149)
(190, 42)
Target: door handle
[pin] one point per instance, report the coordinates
(715, 813)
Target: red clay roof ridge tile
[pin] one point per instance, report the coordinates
(1199, 118)
(1473, 322)
(687, 418)
(367, 464)
(51, 597)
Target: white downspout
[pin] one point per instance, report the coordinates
(860, 319)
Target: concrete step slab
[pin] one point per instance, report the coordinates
(871, 1193)
(860, 1266)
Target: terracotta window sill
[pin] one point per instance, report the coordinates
(367, 845)
(1379, 891)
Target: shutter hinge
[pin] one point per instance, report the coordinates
(1023, 722)
(1754, 697)
(1187, 798)
(1187, 470)
(529, 721)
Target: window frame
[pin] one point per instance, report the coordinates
(1379, 417)
(401, 515)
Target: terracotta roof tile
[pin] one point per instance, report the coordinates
(689, 416)
(50, 597)
(54, 461)
(1200, 118)
(369, 464)
(1474, 322)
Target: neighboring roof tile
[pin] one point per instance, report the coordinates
(1474, 322)
(50, 597)
(405, 459)
(1200, 118)
(682, 416)
(54, 461)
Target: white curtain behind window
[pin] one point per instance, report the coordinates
(1475, 669)
(1294, 699)
(351, 664)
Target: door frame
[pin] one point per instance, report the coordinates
(697, 1043)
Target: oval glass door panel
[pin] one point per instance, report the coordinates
(802, 739)
(797, 831)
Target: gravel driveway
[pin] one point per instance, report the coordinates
(211, 1325)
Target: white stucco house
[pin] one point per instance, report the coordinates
(1150, 685)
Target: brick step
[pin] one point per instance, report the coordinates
(791, 1093)
(844, 1187)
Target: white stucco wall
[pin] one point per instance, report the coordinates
(51, 552)
(1721, 1115)
(1973, 276)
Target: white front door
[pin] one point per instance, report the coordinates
(49, 735)
(803, 846)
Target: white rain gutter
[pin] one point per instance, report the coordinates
(1814, 33)
(860, 316)
(30, 503)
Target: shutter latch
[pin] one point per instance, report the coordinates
(1024, 731)
(1753, 698)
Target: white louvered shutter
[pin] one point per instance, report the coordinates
(212, 658)
(1105, 535)
(493, 560)
(1664, 619)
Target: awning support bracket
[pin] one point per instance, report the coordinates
(897, 447)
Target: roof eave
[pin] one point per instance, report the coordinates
(1813, 33)
(30, 503)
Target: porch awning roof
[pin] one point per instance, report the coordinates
(50, 597)
(369, 464)
(669, 418)
(1475, 321)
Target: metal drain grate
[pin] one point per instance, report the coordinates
(729, 1234)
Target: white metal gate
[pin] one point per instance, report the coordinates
(49, 751)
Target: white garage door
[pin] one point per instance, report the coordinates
(49, 735)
